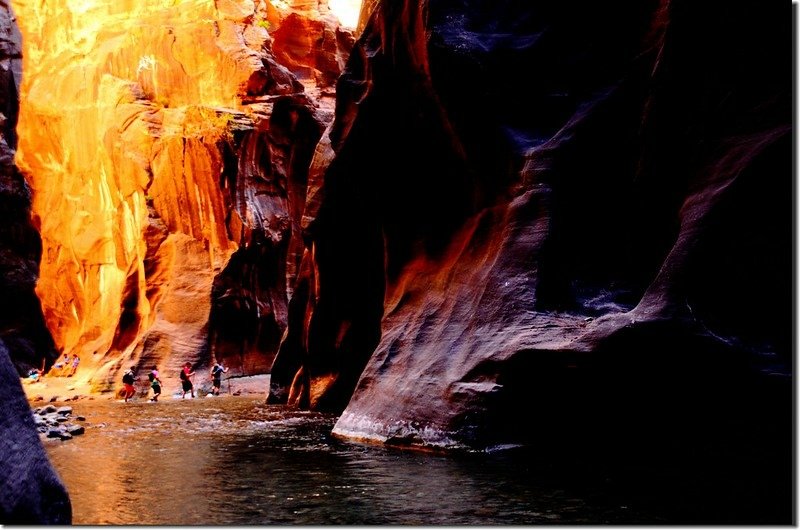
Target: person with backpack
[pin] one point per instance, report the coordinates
(186, 379)
(155, 383)
(216, 377)
(128, 379)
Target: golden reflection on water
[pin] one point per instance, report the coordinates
(238, 461)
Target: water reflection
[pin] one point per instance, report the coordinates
(238, 461)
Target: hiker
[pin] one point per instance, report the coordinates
(128, 379)
(58, 368)
(75, 361)
(216, 377)
(186, 381)
(155, 383)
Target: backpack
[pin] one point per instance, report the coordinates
(127, 378)
(183, 376)
(217, 371)
(152, 376)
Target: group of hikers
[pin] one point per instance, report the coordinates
(65, 367)
(186, 375)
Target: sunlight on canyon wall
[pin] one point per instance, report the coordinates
(128, 111)
(346, 10)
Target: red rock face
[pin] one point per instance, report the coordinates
(494, 257)
(309, 40)
(268, 185)
(169, 175)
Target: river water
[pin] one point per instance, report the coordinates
(236, 460)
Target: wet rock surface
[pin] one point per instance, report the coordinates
(52, 422)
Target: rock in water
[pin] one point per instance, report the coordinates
(75, 430)
(54, 432)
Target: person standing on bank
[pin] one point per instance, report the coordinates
(75, 362)
(216, 377)
(186, 379)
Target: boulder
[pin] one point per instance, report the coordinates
(75, 430)
(54, 432)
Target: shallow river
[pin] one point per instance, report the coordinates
(235, 460)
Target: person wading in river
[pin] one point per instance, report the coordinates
(155, 383)
(216, 377)
(186, 379)
(127, 381)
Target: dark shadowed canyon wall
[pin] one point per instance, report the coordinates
(22, 326)
(553, 224)
(30, 491)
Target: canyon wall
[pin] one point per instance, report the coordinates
(167, 146)
(550, 224)
(30, 491)
(22, 327)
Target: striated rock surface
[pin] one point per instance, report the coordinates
(598, 246)
(166, 147)
(250, 296)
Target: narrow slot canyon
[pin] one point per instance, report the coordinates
(546, 248)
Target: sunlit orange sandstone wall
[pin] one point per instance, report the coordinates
(124, 106)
